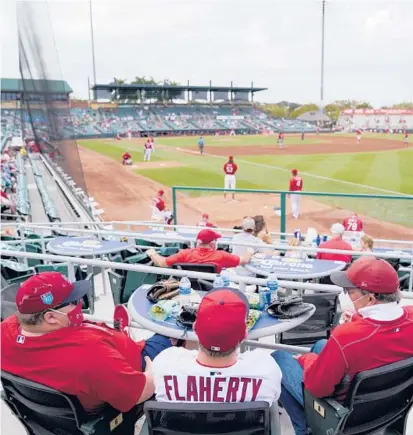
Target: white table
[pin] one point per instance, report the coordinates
(139, 308)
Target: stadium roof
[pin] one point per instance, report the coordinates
(42, 86)
(313, 117)
(112, 86)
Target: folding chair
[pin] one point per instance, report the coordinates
(198, 283)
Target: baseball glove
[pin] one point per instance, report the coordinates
(162, 290)
(289, 308)
(187, 316)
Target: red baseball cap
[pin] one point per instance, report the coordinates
(205, 215)
(369, 274)
(48, 290)
(208, 236)
(231, 157)
(294, 171)
(221, 321)
(160, 192)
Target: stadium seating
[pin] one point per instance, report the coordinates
(43, 410)
(22, 193)
(155, 119)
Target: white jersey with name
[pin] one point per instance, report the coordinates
(179, 377)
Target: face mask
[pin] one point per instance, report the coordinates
(75, 316)
(358, 299)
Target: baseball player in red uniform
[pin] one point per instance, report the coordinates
(148, 151)
(160, 207)
(230, 169)
(281, 139)
(406, 138)
(358, 136)
(204, 222)
(353, 223)
(296, 186)
(126, 158)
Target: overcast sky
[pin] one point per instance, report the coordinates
(275, 43)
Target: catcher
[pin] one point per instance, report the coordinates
(126, 158)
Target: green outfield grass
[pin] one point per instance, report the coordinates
(375, 173)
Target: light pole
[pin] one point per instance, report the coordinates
(93, 43)
(322, 56)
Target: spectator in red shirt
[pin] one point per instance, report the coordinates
(380, 334)
(48, 342)
(7, 203)
(353, 223)
(336, 242)
(205, 252)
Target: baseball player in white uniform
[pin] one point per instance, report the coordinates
(296, 186)
(148, 151)
(217, 372)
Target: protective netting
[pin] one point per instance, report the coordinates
(45, 107)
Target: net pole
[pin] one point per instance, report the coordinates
(93, 43)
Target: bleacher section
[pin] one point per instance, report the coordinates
(158, 120)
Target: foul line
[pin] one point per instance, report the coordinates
(321, 177)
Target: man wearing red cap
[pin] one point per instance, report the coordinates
(230, 169)
(161, 209)
(217, 372)
(204, 222)
(126, 158)
(380, 334)
(48, 342)
(205, 253)
(296, 186)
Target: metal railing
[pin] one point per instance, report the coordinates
(241, 280)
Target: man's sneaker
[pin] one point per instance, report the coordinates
(121, 319)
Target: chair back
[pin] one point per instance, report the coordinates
(62, 268)
(379, 397)
(319, 325)
(8, 300)
(198, 283)
(116, 285)
(42, 408)
(208, 418)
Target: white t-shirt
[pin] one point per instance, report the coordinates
(247, 238)
(180, 378)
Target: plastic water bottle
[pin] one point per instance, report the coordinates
(226, 281)
(218, 282)
(265, 297)
(318, 240)
(184, 290)
(272, 286)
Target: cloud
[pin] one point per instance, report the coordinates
(378, 23)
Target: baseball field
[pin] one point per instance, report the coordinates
(379, 165)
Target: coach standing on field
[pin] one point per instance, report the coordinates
(296, 186)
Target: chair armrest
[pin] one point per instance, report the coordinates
(324, 416)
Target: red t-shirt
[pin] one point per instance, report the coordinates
(230, 168)
(93, 362)
(159, 203)
(221, 259)
(353, 223)
(336, 243)
(354, 347)
(4, 195)
(296, 184)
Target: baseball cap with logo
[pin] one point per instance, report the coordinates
(221, 319)
(248, 224)
(369, 274)
(48, 290)
(208, 236)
